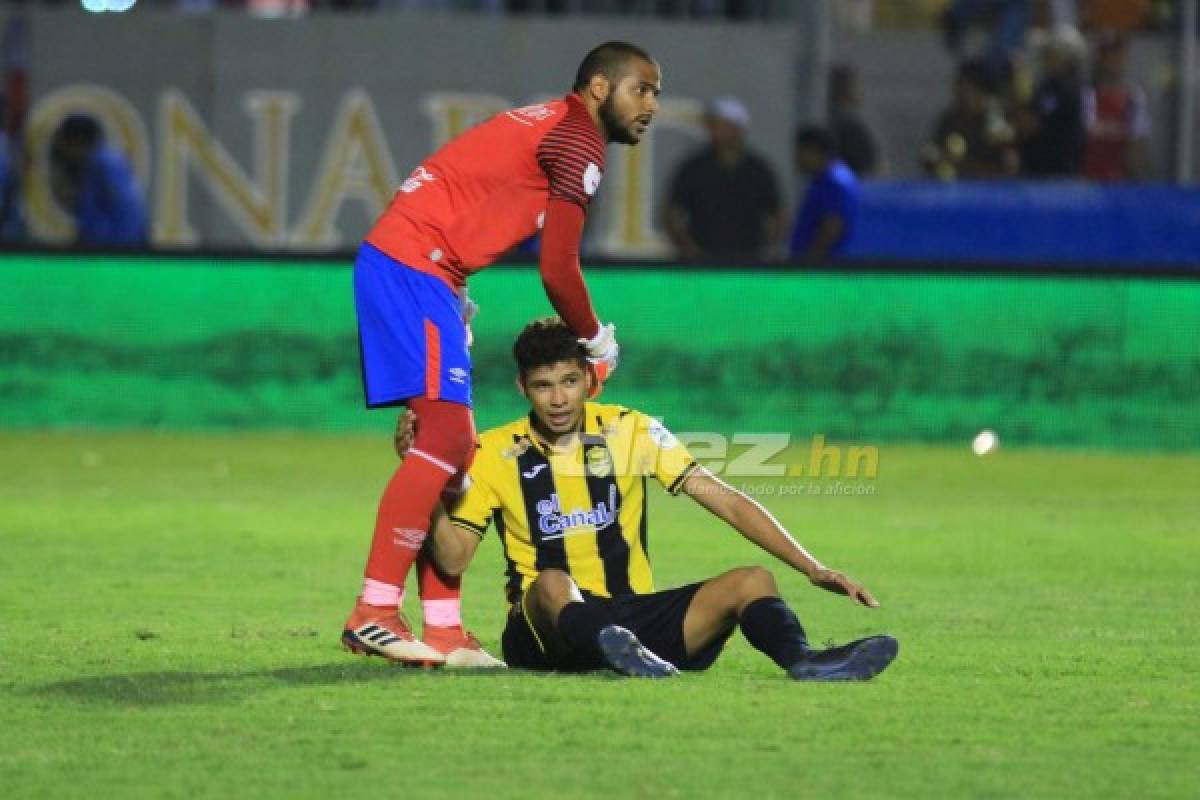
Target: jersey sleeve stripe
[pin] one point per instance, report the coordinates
(558, 146)
(573, 158)
(578, 198)
(479, 530)
(566, 153)
(677, 484)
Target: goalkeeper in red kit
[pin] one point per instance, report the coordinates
(460, 209)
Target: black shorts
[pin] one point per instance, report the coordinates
(656, 619)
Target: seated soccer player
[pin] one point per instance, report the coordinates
(565, 487)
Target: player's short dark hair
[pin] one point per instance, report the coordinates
(816, 138)
(609, 60)
(545, 342)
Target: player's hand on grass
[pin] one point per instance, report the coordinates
(833, 581)
(602, 351)
(406, 431)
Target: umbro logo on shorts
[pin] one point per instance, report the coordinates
(458, 375)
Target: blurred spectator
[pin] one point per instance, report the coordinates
(826, 219)
(277, 9)
(1117, 117)
(730, 9)
(1009, 19)
(12, 221)
(1051, 126)
(1117, 15)
(856, 144)
(1064, 12)
(724, 200)
(94, 183)
(972, 140)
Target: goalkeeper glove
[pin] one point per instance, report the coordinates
(602, 351)
(468, 308)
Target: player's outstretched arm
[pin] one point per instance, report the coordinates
(757, 524)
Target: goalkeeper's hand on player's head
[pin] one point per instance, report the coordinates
(602, 353)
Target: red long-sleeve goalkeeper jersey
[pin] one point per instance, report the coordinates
(487, 190)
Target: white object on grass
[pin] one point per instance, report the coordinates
(985, 442)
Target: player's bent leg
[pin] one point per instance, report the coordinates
(544, 600)
(717, 605)
(558, 611)
(546, 597)
(773, 628)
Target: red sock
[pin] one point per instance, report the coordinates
(441, 595)
(444, 444)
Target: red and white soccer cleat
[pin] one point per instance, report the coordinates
(460, 648)
(381, 631)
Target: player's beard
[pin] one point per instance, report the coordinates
(613, 127)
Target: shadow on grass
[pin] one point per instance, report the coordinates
(175, 688)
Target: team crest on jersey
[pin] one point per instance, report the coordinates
(527, 115)
(599, 462)
(591, 179)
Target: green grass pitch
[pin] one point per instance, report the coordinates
(171, 606)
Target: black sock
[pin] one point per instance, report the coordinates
(770, 626)
(580, 623)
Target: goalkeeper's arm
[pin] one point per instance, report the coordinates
(561, 273)
(562, 278)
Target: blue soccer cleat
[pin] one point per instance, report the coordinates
(859, 660)
(628, 656)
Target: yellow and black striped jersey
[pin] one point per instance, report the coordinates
(580, 507)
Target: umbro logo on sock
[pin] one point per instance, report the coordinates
(412, 538)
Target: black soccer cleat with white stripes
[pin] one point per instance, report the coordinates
(859, 660)
(628, 656)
